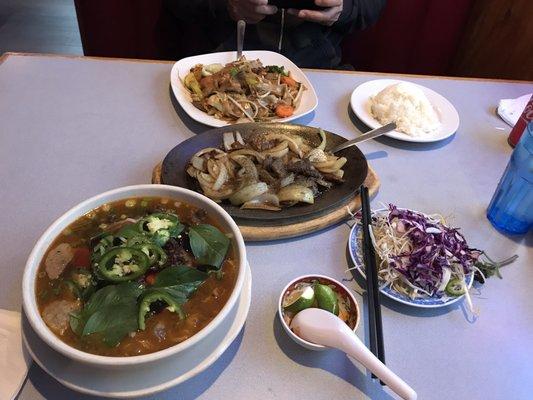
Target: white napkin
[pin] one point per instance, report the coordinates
(14, 362)
(511, 109)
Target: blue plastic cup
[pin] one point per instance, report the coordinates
(511, 207)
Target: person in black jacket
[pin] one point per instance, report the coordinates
(310, 38)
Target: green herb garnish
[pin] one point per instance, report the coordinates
(111, 311)
(179, 274)
(114, 310)
(120, 259)
(276, 69)
(208, 245)
(488, 267)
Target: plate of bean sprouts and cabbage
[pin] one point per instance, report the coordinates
(421, 260)
(217, 89)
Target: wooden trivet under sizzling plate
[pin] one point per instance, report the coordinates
(339, 213)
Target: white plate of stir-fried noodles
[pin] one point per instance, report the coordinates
(217, 90)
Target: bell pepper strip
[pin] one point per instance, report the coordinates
(82, 257)
(153, 297)
(192, 84)
(150, 279)
(122, 264)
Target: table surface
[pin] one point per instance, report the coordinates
(73, 127)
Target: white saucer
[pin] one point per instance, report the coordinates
(361, 99)
(145, 379)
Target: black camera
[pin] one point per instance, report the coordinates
(296, 4)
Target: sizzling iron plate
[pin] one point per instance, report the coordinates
(355, 171)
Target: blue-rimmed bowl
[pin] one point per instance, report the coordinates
(422, 302)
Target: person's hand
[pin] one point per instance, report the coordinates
(328, 16)
(252, 11)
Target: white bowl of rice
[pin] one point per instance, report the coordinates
(421, 114)
(408, 106)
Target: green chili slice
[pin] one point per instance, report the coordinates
(137, 240)
(154, 297)
(155, 254)
(127, 232)
(103, 245)
(455, 287)
(160, 227)
(156, 222)
(123, 264)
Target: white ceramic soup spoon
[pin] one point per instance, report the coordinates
(322, 327)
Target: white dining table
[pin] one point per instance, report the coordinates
(72, 127)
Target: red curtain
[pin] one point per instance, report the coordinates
(411, 36)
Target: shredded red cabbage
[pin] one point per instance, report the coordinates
(434, 247)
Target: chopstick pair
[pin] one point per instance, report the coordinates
(369, 258)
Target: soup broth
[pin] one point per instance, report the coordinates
(133, 277)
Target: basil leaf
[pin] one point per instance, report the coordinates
(113, 322)
(208, 244)
(178, 274)
(183, 290)
(76, 322)
(111, 311)
(176, 229)
(179, 281)
(112, 294)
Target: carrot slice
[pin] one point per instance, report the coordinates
(284, 110)
(288, 80)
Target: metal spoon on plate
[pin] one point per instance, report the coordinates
(322, 327)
